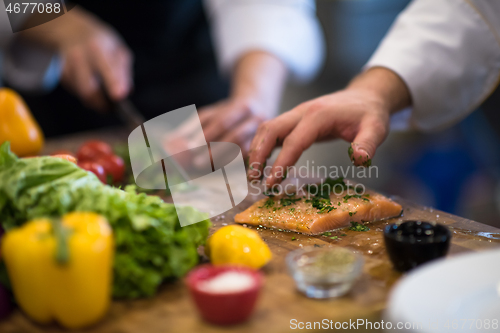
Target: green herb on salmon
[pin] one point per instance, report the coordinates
(355, 226)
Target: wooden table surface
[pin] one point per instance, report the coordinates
(172, 310)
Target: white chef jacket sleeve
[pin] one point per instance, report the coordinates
(287, 29)
(448, 54)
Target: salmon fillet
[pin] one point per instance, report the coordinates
(309, 214)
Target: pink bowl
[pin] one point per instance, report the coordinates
(223, 308)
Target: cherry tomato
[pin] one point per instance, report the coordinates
(95, 168)
(62, 152)
(68, 157)
(113, 166)
(93, 149)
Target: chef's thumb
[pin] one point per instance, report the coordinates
(365, 144)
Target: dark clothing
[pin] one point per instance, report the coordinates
(490, 108)
(174, 64)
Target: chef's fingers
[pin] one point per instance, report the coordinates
(110, 70)
(82, 80)
(194, 135)
(241, 135)
(124, 72)
(302, 137)
(207, 113)
(372, 132)
(189, 134)
(269, 135)
(67, 74)
(188, 128)
(227, 118)
(243, 132)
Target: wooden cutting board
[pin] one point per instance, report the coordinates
(172, 310)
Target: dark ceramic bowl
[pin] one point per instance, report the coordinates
(413, 243)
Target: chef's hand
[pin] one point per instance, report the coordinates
(94, 55)
(257, 85)
(233, 120)
(358, 114)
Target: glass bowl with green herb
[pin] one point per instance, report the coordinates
(324, 272)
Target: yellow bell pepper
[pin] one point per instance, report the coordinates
(61, 270)
(18, 126)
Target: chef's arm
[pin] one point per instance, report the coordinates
(441, 58)
(288, 29)
(358, 114)
(257, 82)
(25, 67)
(448, 54)
(385, 86)
(94, 55)
(259, 77)
(259, 44)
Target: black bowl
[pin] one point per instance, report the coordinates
(413, 243)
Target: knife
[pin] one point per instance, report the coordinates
(127, 113)
(132, 118)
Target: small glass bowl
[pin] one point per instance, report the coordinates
(324, 272)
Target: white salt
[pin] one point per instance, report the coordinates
(228, 282)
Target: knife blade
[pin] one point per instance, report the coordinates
(128, 113)
(132, 118)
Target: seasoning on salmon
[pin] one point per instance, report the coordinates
(319, 208)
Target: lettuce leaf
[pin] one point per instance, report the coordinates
(151, 246)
